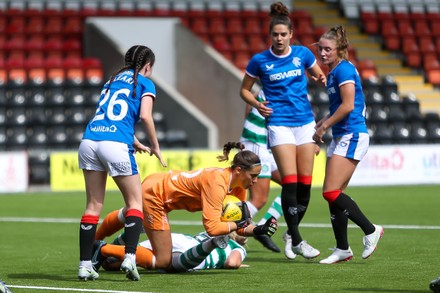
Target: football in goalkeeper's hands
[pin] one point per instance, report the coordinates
(231, 210)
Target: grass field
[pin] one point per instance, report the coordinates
(39, 248)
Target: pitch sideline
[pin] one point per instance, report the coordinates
(197, 223)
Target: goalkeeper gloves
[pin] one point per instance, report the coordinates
(268, 228)
(245, 216)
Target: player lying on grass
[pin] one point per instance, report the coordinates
(222, 252)
(198, 190)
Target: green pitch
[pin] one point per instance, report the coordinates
(39, 248)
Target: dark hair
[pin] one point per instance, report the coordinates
(244, 159)
(338, 34)
(279, 14)
(135, 58)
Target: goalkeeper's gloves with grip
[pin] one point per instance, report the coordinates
(245, 216)
(268, 228)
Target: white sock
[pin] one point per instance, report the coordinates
(252, 209)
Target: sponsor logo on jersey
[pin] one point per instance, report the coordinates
(296, 61)
(284, 75)
(269, 67)
(104, 129)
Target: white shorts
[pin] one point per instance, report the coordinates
(268, 164)
(297, 135)
(114, 157)
(352, 146)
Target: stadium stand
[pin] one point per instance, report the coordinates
(48, 88)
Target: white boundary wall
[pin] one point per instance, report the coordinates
(14, 172)
(399, 165)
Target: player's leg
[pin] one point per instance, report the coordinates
(113, 222)
(194, 256)
(95, 189)
(131, 190)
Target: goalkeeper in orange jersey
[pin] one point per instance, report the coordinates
(199, 190)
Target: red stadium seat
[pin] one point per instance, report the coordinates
(370, 23)
(252, 26)
(241, 60)
(221, 43)
(216, 26)
(199, 26)
(234, 26)
(426, 45)
(433, 77)
(239, 43)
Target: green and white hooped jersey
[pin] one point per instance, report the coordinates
(254, 128)
(216, 259)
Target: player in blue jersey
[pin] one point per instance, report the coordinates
(348, 146)
(108, 148)
(282, 71)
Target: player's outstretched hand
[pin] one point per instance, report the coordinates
(268, 228)
(245, 216)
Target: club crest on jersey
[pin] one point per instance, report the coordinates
(269, 67)
(296, 61)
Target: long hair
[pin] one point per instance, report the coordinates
(135, 59)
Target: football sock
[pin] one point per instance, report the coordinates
(87, 230)
(274, 210)
(339, 221)
(252, 209)
(303, 195)
(144, 256)
(193, 256)
(354, 213)
(289, 205)
(133, 226)
(112, 223)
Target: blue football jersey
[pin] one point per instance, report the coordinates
(343, 73)
(284, 83)
(118, 110)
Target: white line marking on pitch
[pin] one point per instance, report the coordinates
(72, 289)
(197, 223)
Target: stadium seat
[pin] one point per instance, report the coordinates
(418, 133)
(370, 23)
(57, 137)
(16, 138)
(252, 26)
(401, 133)
(93, 72)
(55, 116)
(37, 137)
(382, 133)
(239, 44)
(433, 76)
(234, 26)
(411, 107)
(241, 60)
(221, 43)
(216, 25)
(432, 125)
(36, 115)
(256, 44)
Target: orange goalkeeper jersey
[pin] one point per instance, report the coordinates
(200, 190)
